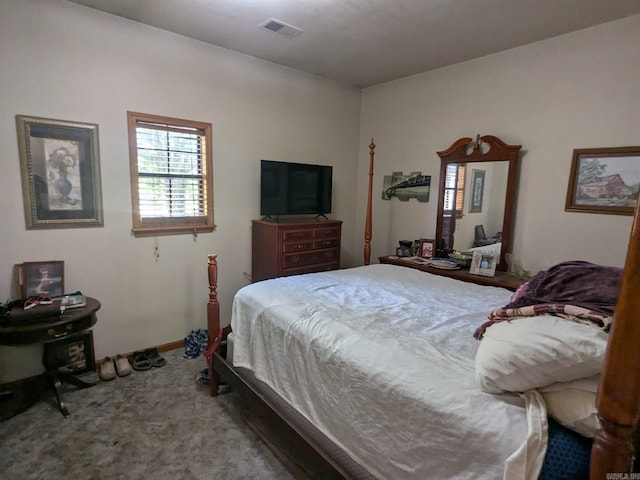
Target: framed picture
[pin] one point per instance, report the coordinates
(477, 191)
(41, 278)
(604, 180)
(484, 263)
(60, 168)
(427, 248)
(73, 355)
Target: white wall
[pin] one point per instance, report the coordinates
(64, 61)
(575, 91)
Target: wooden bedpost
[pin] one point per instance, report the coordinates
(618, 399)
(213, 318)
(367, 223)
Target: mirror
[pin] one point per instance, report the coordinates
(476, 196)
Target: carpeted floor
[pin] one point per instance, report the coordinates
(157, 424)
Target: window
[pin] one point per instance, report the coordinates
(171, 175)
(454, 188)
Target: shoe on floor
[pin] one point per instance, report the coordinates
(123, 367)
(107, 370)
(154, 357)
(139, 361)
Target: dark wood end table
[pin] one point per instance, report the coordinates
(16, 397)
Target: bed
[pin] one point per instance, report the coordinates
(390, 390)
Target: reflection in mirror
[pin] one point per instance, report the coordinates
(484, 194)
(475, 203)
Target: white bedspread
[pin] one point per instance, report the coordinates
(381, 359)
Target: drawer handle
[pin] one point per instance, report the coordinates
(299, 247)
(295, 259)
(52, 333)
(328, 243)
(328, 254)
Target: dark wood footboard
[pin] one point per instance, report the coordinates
(304, 457)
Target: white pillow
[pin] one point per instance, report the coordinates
(534, 352)
(574, 406)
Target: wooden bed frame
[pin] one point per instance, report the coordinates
(618, 402)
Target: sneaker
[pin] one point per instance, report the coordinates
(123, 367)
(107, 370)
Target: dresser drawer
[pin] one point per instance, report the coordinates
(326, 232)
(330, 243)
(297, 235)
(298, 260)
(297, 246)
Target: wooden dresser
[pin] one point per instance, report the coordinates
(501, 279)
(280, 249)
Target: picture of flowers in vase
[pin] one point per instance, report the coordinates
(63, 174)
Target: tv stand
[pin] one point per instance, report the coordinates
(322, 218)
(281, 249)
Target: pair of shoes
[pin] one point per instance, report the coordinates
(107, 370)
(154, 357)
(123, 367)
(146, 359)
(139, 361)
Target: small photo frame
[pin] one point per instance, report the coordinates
(36, 279)
(72, 355)
(477, 191)
(484, 263)
(427, 248)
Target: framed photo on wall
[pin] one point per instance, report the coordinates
(477, 191)
(484, 263)
(60, 167)
(36, 279)
(427, 248)
(604, 180)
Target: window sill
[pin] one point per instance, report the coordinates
(176, 230)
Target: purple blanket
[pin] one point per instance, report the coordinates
(576, 290)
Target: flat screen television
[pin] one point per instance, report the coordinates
(294, 188)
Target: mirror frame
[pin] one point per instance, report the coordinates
(466, 150)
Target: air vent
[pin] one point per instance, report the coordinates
(276, 26)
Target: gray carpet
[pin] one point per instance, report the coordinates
(157, 424)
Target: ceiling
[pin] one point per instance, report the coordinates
(368, 42)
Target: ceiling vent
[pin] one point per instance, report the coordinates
(276, 26)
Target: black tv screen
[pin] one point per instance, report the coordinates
(294, 188)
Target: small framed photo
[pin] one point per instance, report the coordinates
(484, 263)
(36, 279)
(427, 248)
(477, 191)
(60, 166)
(604, 180)
(73, 355)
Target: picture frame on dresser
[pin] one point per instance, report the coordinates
(35, 279)
(484, 263)
(427, 248)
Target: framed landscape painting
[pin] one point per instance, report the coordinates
(604, 180)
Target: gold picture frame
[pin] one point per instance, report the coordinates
(60, 168)
(604, 180)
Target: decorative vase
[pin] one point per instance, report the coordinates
(63, 185)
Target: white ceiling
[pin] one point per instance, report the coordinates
(368, 42)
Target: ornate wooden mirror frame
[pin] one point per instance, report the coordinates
(465, 151)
